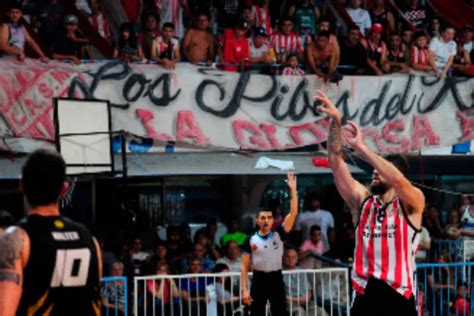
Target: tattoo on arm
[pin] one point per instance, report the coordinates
(11, 244)
(335, 139)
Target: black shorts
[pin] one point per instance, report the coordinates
(268, 286)
(380, 299)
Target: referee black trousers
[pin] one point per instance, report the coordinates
(380, 299)
(268, 286)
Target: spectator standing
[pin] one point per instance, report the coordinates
(176, 253)
(312, 246)
(235, 47)
(263, 251)
(70, 44)
(297, 287)
(292, 68)
(305, 15)
(165, 49)
(432, 222)
(247, 15)
(139, 257)
(150, 32)
(173, 11)
(199, 45)
(128, 47)
(14, 36)
(379, 14)
(232, 256)
(377, 52)
(324, 24)
(113, 293)
(424, 246)
(397, 60)
(453, 225)
(420, 59)
(353, 53)
(286, 42)
(98, 20)
(442, 51)
(407, 40)
(359, 16)
(186, 244)
(417, 15)
(316, 216)
(261, 15)
(233, 233)
(160, 254)
(434, 28)
(133, 9)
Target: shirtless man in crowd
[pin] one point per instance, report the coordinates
(198, 44)
(321, 56)
(324, 24)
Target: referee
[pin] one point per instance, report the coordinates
(263, 251)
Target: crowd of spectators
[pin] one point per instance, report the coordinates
(289, 37)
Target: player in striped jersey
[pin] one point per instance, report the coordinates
(388, 220)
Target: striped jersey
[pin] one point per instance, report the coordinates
(386, 243)
(419, 55)
(262, 17)
(171, 11)
(286, 44)
(288, 71)
(165, 49)
(99, 22)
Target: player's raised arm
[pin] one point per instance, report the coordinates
(290, 219)
(411, 197)
(351, 190)
(14, 250)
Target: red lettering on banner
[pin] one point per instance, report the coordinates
(60, 76)
(422, 130)
(377, 137)
(270, 132)
(257, 140)
(467, 125)
(295, 133)
(187, 128)
(389, 136)
(146, 116)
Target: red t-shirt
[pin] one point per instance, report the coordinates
(234, 50)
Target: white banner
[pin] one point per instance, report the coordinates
(220, 110)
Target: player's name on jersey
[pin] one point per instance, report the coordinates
(65, 236)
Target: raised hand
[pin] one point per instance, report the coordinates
(328, 107)
(291, 181)
(353, 135)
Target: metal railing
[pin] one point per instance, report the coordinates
(445, 289)
(321, 292)
(114, 296)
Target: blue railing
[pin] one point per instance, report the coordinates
(445, 289)
(454, 248)
(112, 290)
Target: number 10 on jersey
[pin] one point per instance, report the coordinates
(71, 268)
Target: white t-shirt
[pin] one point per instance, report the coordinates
(322, 218)
(468, 46)
(442, 50)
(234, 266)
(257, 52)
(422, 254)
(361, 18)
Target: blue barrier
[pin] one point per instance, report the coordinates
(445, 289)
(112, 290)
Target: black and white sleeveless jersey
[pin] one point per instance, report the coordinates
(61, 276)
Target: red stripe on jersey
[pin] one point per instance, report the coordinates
(398, 250)
(357, 287)
(370, 246)
(359, 253)
(385, 259)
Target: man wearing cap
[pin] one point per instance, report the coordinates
(69, 44)
(14, 36)
(377, 51)
(260, 52)
(234, 47)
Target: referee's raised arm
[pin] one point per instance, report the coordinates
(290, 219)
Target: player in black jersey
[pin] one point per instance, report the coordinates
(49, 264)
